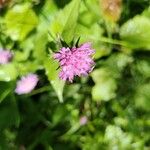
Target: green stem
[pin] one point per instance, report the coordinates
(40, 90)
(109, 34)
(113, 41)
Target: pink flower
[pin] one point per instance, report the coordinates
(83, 120)
(75, 61)
(5, 56)
(26, 84)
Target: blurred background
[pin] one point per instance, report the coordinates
(109, 109)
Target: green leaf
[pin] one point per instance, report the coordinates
(51, 71)
(117, 139)
(143, 67)
(4, 90)
(105, 86)
(142, 97)
(65, 22)
(26, 46)
(146, 12)
(4, 94)
(59, 114)
(26, 67)
(9, 113)
(116, 63)
(136, 32)
(40, 46)
(70, 25)
(8, 72)
(20, 20)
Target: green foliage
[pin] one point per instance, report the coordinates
(66, 20)
(136, 32)
(20, 20)
(5, 89)
(117, 138)
(52, 73)
(71, 23)
(142, 97)
(105, 85)
(8, 72)
(114, 98)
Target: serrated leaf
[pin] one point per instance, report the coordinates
(52, 73)
(136, 32)
(20, 20)
(70, 25)
(66, 20)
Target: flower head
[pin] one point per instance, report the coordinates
(26, 84)
(5, 56)
(83, 120)
(76, 61)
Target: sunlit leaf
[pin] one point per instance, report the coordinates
(26, 67)
(65, 22)
(136, 32)
(146, 12)
(20, 20)
(142, 97)
(105, 85)
(8, 72)
(70, 25)
(40, 45)
(52, 73)
(117, 139)
(26, 46)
